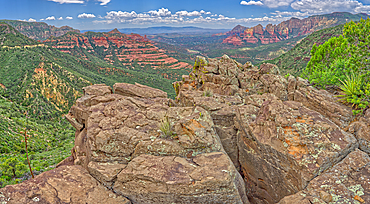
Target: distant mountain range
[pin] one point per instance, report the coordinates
(39, 30)
(294, 27)
(165, 29)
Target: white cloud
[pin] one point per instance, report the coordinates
(205, 12)
(327, 6)
(276, 3)
(31, 20)
(363, 9)
(104, 2)
(290, 14)
(68, 1)
(60, 18)
(186, 13)
(50, 18)
(165, 16)
(86, 15)
(257, 3)
(161, 12)
(69, 18)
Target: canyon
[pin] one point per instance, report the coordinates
(116, 48)
(235, 133)
(294, 27)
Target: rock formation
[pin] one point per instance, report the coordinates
(287, 29)
(115, 47)
(39, 30)
(234, 134)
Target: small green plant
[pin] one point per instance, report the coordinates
(351, 87)
(355, 93)
(208, 92)
(165, 127)
(287, 76)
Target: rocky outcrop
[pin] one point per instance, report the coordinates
(66, 184)
(234, 134)
(281, 133)
(125, 49)
(39, 30)
(288, 29)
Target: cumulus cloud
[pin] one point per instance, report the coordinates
(50, 18)
(328, 6)
(69, 18)
(31, 20)
(290, 14)
(186, 13)
(86, 15)
(161, 12)
(276, 3)
(257, 3)
(60, 18)
(205, 12)
(104, 2)
(165, 16)
(68, 1)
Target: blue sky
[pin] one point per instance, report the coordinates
(109, 14)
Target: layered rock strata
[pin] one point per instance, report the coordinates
(234, 134)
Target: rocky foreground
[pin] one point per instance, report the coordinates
(235, 134)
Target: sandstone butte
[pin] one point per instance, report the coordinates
(237, 134)
(276, 33)
(126, 48)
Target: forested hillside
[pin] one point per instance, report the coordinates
(296, 59)
(38, 85)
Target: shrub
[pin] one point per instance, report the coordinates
(344, 62)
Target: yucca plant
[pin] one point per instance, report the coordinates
(165, 127)
(208, 92)
(353, 92)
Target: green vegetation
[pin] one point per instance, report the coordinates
(43, 83)
(208, 92)
(49, 143)
(344, 62)
(295, 60)
(165, 127)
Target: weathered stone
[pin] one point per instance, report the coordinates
(228, 67)
(73, 122)
(138, 90)
(267, 68)
(66, 184)
(301, 198)
(346, 182)
(291, 142)
(324, 103)
(97, 90)
(207, 178)
(106, 173)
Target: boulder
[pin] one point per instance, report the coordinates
(138, 90)
(346, 182)
(286, 146)
(66, 184)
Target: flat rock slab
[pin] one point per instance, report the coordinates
(138, 90)
(286, 146)
(206, 178)
(346, 182)
(66, 184)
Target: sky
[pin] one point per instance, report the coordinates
(109, 14)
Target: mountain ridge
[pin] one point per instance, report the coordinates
(287, 29)
(38, 30)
